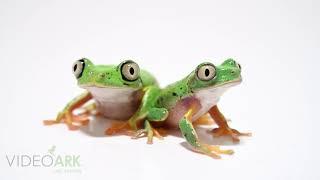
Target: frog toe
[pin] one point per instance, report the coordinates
(72, 127)
(148, 132)
(213, 151)
(82, 120)
(234, 134)
(241, 133)
(49, 122)
(118, 127)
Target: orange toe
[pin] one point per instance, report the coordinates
(73, 127)
(49, 122)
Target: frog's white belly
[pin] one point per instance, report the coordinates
(115, 103)
(205, 99)
(209, 97)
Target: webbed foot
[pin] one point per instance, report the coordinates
(224, 129)
(149, 132)
(119, 127)
(191, 136)
(74, 122)
(234, 134)
(212, 150)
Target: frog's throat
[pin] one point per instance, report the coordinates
(112, 94)
(208, 97)
(115, 102)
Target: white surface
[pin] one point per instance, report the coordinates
(276, 42)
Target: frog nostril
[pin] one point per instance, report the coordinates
(232, 72)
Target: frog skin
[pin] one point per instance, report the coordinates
(195, 96)
(116, 91)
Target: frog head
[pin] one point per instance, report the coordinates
(124, 75)
(116, 89)
(207, 75)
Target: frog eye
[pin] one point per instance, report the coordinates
(206, 72)
(78, 68)
(130, 71)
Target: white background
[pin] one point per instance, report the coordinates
(276, 42)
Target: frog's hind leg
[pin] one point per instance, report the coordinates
(204, 120)
(66, 115)
(154, 115)
(118, 127)
(191, 136)
(224, 129)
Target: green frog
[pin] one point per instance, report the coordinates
(190, 99)
(113, 91)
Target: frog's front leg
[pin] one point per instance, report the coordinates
(224, 128)
(153, 115)
(130, 125)
(145, 109)
(191, 136)
(66, 115)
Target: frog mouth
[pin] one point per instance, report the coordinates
(218, 90)
(91, 86)
(230, 83)
(225, 85)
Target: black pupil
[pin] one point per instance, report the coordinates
(75, 67)
(207, 72)
(131, 70)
